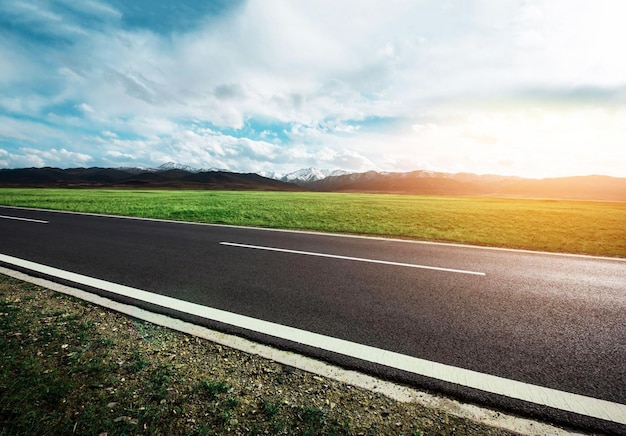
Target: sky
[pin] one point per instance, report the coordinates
(532, 88)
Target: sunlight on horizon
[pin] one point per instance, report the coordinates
(535, 142)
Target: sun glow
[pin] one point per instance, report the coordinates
(533, 142)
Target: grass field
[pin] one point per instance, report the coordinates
(597, 228)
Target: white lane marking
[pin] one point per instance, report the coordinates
(23, 219)
(358, 259)
(392, 390)
(566, 401)
(334, 235)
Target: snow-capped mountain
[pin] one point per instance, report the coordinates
(176, 166)
(307, 175)
(269, 175)
(302, 176)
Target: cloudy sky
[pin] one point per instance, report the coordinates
(518, 87)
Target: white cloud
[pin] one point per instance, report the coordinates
(32, 157)
(85, 108)
(14, 130)
(43, 17)
(274, 53)
(318, 73)
(573, 42)
(93, 8)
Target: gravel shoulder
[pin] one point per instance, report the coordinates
(72, 367)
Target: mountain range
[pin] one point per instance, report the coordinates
(602, 188)
(166, 177)
(174, 176)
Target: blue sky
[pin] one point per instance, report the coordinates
(533, 88)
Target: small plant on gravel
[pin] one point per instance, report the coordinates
(212, 389)
(314, 419)
(270, 408)
(158, 381)
(137, 362)
(232, 403)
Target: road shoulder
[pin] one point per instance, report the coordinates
(267, 388)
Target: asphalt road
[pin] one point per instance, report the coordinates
(546, 320)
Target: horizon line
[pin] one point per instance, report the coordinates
(189, 168)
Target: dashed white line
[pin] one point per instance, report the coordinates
(6, 217)
(566, 401)
(357, 259)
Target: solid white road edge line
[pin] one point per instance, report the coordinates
(358, 259)
(392, 390)
(320, 233)
(580, 404)
(23, 219)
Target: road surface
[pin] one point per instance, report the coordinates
(502, 327)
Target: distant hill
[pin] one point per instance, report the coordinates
(169, 177)
(582, 187)
(432, 183)
(173, 176)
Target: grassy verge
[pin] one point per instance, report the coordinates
(69, 367)
(596, 228)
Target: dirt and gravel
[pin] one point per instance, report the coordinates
(71, 367)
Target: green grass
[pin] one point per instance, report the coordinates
(597, 228)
